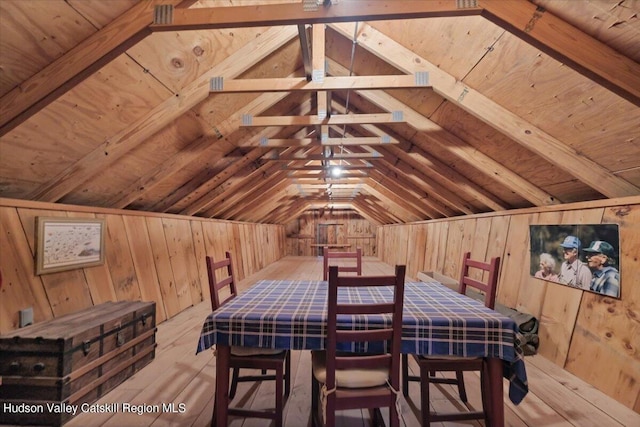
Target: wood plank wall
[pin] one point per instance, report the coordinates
(594, 337)
(153, 257)
(351, 229)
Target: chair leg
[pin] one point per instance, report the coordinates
(213, 417)
(234, 383)
(315, 396)
(425, 409)
(279, 396)
(405, 375)
(486, 393)
(287, 374)
(461, 388)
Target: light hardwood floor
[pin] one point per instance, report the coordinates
(178, 376)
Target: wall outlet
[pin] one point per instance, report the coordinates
(26, 317)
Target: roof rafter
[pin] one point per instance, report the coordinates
(79, 63)
(494, 115)
(164, 113)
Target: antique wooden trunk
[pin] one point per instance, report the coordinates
(54, 370)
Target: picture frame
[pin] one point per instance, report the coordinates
(68, 243)
(582, 256)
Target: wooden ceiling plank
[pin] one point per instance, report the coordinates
(115, 147)
(423, 161)
(441, 198)
(256, 194)
(402, 195)
(498, 117)
(77, 64)
(286, 215)
(422, 189)
(214, 195)
(294, 14)
(364, 212)
(459, 148)
(567, 44)
(226, 127)
(379, 208)
(300, 84)
(396, 166)
(394, 204)
(221, 195)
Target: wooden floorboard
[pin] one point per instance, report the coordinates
(180, 377)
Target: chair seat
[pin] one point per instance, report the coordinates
(447, 357)
(351, 378)
(254, 351)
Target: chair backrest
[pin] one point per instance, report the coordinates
(488, 287)
(215, 285)
(343, 255)
(390, 359)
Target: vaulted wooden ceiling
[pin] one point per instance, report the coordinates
(239, 109)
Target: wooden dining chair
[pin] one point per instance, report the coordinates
(342, 380)
(487, 283)
(222, 291)
(342, 256)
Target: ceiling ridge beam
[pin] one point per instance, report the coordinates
(109, 151)
(495, 115)
(567, 44)
(77, 64)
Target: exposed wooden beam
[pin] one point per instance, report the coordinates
(498, 117)
(459, 148)
(318, 72)
(305, 47)
(418, 158)
(347, 141)
(567, 44)
(395, 203)
(108, 152)
(207, 144)
(403, 195)
(257, 194)
(314, 120)
(320, 167)
(311, 157)
(77, 64)
(293, 84)
(294, 14)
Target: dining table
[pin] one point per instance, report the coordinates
(292, 314)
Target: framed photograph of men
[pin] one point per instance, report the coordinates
(582, 256)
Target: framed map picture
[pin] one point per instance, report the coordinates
(68, 243)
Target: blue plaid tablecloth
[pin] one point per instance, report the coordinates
(292, 314)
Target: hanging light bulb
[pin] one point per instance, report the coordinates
(336, 171)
